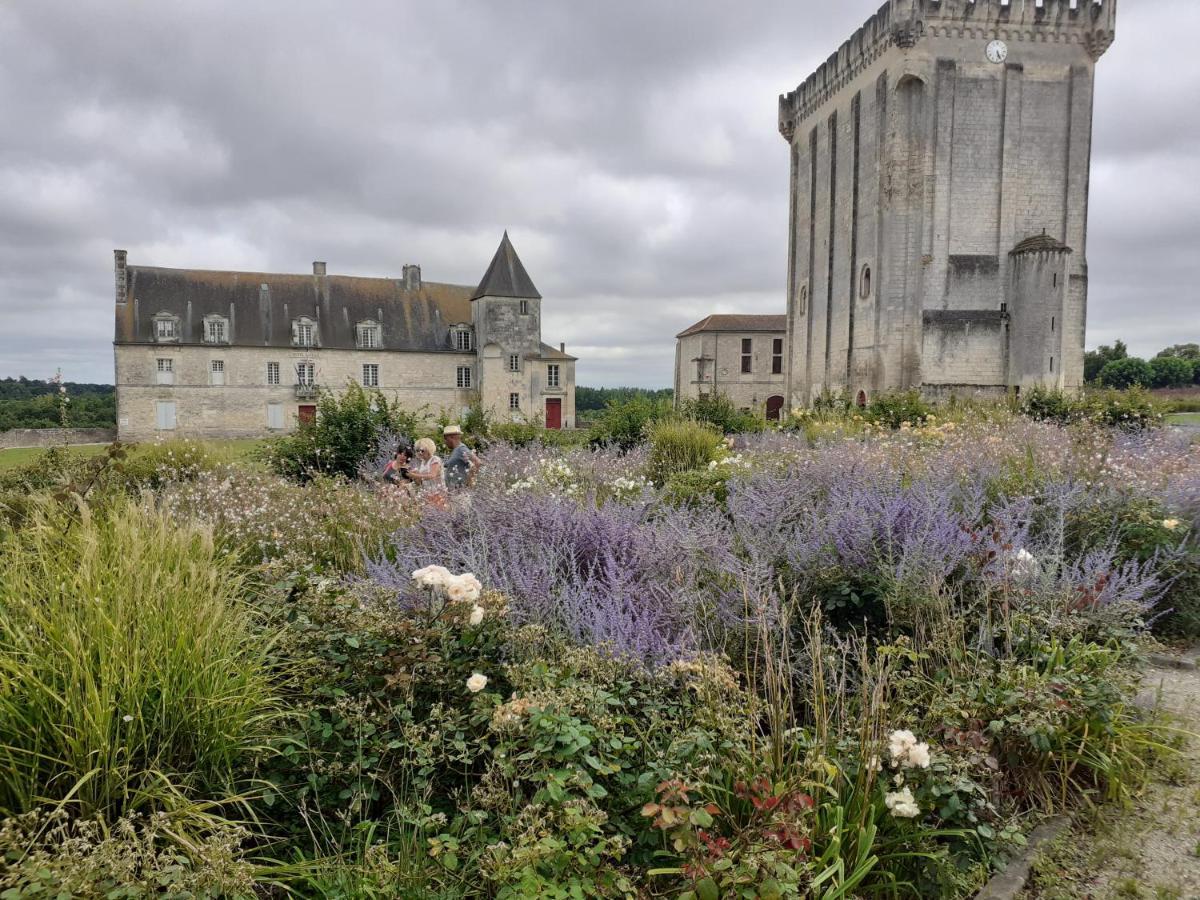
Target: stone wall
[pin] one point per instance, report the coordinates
(722, 352)
(54, 437)
(239, 408)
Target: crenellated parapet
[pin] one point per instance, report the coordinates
(905, 23)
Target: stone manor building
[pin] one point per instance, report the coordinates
(939, 193)
(245, 354)
(741, 357)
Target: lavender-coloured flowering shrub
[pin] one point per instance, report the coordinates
(612, 575)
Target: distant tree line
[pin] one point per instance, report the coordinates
(595, 399)
(1112, 366)
(33, 403)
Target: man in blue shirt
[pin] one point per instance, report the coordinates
(460, 465)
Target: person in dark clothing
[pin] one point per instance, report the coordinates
(396, 471)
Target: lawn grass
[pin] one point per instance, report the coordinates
(1184, 419)
(11, 459)
(240, 452)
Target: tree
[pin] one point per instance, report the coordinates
(1181, 351)
(1094, 361)
(1171, 371)
(1126, 372)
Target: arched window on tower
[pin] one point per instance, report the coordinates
(864, 287)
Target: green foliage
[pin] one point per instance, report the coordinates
(346, 430)
(1182, 351)
(1094, 361)
(1049, 404)
(1126, 373)
(130, 665)
(26, 403)
(1171, 371)
(595, 399)
(1130, 410)
(681, 445)
(49, 855)
(892, 410)
(698, 488)
(623, 424)
(718, 410)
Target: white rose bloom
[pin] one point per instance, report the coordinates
(899, 743)
(476, 615)
(432, 576)
(902, 804)
(456, 591)
(918, 757)
(476, 683)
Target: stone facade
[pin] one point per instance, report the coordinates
(740, 357)
(241, 355)
(939, 188)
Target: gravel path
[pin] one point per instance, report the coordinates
(1152, 850)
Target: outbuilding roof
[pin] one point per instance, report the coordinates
(736, 323)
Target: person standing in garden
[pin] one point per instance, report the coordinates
(462, 461)
(429, 474)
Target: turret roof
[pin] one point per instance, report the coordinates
(506, 277)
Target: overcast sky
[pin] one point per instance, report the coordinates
(629, 147)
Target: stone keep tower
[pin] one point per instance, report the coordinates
(939, 189)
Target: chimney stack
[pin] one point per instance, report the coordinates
(122, 278)
(318, 268)
(412, 278)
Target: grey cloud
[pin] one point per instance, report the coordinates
(630, 147)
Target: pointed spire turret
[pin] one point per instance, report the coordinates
(506, 277)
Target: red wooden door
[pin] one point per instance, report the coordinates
(774, 408)
(554, 413)
(307, 415)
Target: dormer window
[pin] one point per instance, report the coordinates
(166, 327)
(462, 339)
(304, 332)
(368, 335)
(216, 330)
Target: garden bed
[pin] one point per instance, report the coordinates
(844, 660)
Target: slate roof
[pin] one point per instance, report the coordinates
(736, 323)
(418, 319)
(548, 352)
(506, 277)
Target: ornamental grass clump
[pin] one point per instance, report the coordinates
(680, 445)
(131, 670)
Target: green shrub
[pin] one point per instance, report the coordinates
(153, 465)
(893, 410)
(346, 430)
(1126, 373)
(1129, 410)
(1171, 371)
(1049, 404)
(680, 445)
(130, 668)
(698, 487)
(623, 424)
(718, 410)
